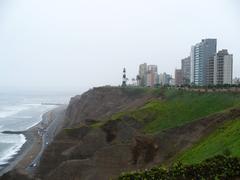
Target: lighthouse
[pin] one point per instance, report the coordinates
(124, 80)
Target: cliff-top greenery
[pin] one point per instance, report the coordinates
(177, 107)
(225, 140)
(218, 167)
(171, 108)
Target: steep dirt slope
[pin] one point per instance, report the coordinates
(88, 150)
(107, 151)
(79, 140)
(104, 101)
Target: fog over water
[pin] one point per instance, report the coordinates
(77, 44)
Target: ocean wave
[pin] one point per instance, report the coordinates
(33, 104)
(11, 110)
(23, 117)
(7, 111)
(8, 153)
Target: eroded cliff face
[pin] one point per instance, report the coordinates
(102, 102)
(83, 151)
(99, 153)
(119, 146)
(87, 149)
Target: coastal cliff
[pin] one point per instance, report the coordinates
(91, 143)
(111, 130)
(102, 102)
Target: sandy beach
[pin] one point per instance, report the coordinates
(37, 139)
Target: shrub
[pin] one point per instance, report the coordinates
(218, 167)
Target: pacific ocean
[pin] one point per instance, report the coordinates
(19, 112)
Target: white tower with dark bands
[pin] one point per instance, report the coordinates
(124, 80)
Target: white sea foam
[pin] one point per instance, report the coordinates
(23, 117)
(33, 104)
(7, 111)
(16, 142)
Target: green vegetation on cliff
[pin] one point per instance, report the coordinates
(219, 167)
(168, 124)
(225, 140)
(179, 107)
(212, 157)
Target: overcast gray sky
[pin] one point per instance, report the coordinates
(74, 44)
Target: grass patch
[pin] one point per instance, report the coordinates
(225, 140)
(137, 91)
(178, 108)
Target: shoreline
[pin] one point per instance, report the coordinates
(16, 158)
(33, 145)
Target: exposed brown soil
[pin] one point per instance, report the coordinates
(103, 158)
(102, 102)
(117, 146)
(15, 175)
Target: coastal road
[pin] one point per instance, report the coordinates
(56, 118)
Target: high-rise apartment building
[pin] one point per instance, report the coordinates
(164, 79)
(223, 67)
(186, 70)
(210, 71)
(152, 75)
(178, 77)
(152, 68)
(200, 55)
(143, 70)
